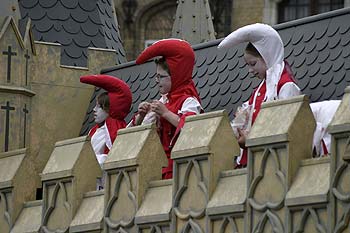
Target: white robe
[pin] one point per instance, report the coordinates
(323, 113)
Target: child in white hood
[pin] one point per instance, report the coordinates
(264, 56)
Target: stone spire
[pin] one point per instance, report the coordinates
(9, 8)
(193, 21)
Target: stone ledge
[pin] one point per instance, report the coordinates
(90, 213)
(311, 185)
(230, 194)
(208, 115)
(72, 141)
(292, 100)
(157, 203)
(17, 90)
(29, 220)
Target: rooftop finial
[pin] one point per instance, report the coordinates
(193, 22)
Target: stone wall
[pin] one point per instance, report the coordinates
(41, 102)
(283, 189)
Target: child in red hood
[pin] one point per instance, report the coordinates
(179, 95)
(109, 113)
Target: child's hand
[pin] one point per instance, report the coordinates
(159, 108)
(242, 137)
(144, 108)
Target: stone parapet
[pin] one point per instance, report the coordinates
(204, 148)
(70, 172)
(15, 186)
(340, 166)
(135, 159)
(283, 189)
(276, 148)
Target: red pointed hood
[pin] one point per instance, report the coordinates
(119, 93)
(180, 58)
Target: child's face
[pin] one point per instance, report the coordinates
(100, 115)
(256, 65)
(163, 79)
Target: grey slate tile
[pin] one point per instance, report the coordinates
(76, 25)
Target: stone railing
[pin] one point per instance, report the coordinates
(282, 190)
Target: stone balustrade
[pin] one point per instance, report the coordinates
(283, 189)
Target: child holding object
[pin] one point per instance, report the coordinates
(264, 56)
(179, 95)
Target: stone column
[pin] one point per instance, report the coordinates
(340, 166)
(280, 138)
(70, 172)
(205, 147)
(15, 186)
(136, 159)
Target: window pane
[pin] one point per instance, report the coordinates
(296, 9)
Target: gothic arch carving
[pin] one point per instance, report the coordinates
(122, 175)
(59, 186)
(156, 229)
(226, 222)
(338, 193)
(338, 174)
(343, 223)
(191, 226)
(279, 174)
(7, 216)
(121, 230)
(305, 215)
(273, 219)
(193, 164)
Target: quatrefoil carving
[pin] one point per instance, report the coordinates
(122, 186)
(187, 188)
(342, 177)
(268, 154)
(340, 172)
(59, 194)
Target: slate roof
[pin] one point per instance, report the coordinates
(317, 48)
(76, 24)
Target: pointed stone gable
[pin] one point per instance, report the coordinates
(15, 98)
(193, 21)
(65, 180)
(9, 8)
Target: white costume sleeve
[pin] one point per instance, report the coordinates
(288, 90)
(98, 142)
(191, 104)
